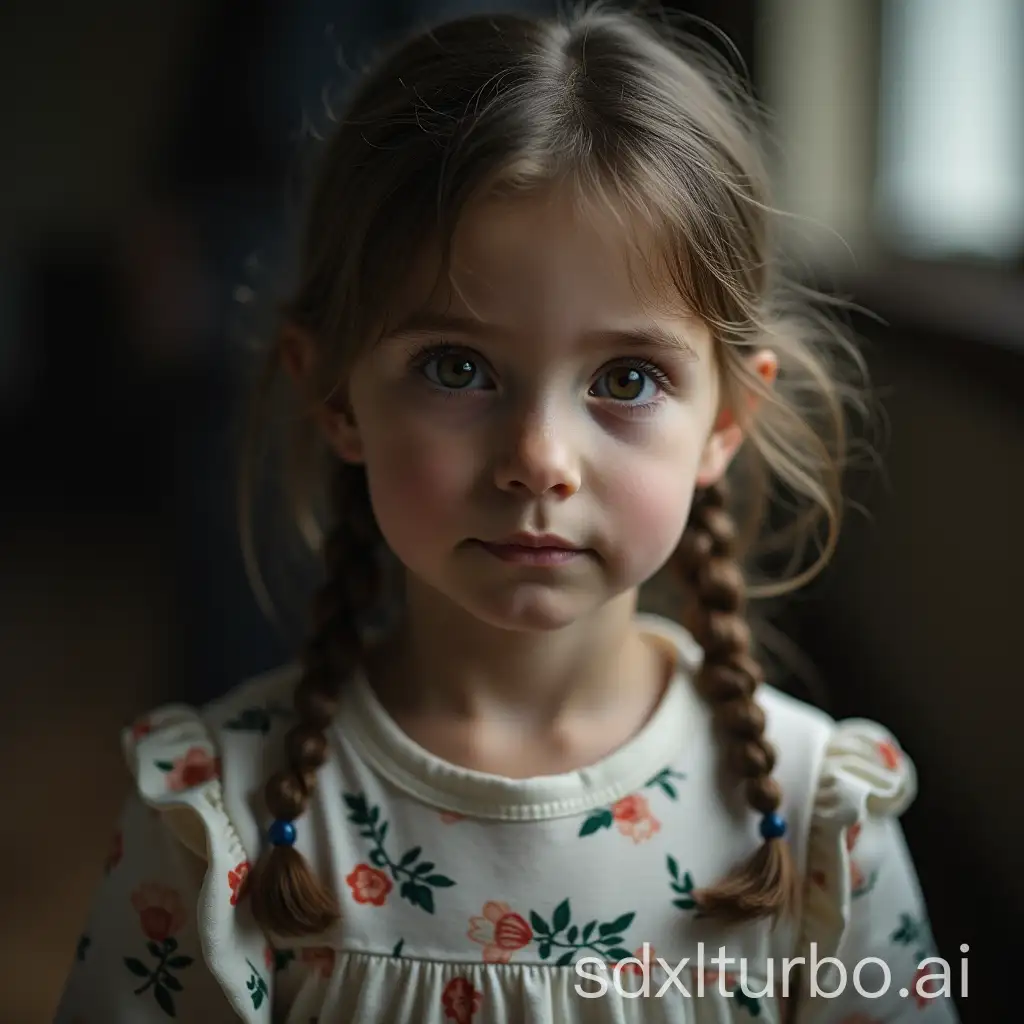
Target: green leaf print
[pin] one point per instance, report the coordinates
(604, 818)
(165, 766)
(683, 886)
(662, 780)
(164, 998)
(607, 944)
(418, 880)
(620, 924)
(597, 821)
(908, 931)
(719, 984)
(562, 916)
(159, 978)
(914, 930)
(357, 805)
(397, 951)
(418, 895)
(282, 958)
(749, 1003)
(257, 987)
(865, 886)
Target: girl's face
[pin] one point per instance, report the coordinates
(538, 396)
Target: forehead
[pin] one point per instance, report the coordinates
(544, 260)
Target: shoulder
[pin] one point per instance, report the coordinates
(830, 770)
(187, 840)
(211, 760)
(847, 768)
(791, 722)
(853, 755)
(248, 706)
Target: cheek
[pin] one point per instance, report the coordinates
(651, 506)
(418, 482)
(648, 501)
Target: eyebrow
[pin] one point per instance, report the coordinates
(646, 336)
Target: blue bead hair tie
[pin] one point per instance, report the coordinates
(281, 833)
(773, 826)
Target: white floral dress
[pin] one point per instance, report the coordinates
(477, 899)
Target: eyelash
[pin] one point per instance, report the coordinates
(420, 357)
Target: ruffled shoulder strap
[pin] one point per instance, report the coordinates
(180, 771)
(865, 771)
(866, 780)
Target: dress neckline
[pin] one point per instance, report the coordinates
(386, 748)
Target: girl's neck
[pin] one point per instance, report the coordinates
(446, 663)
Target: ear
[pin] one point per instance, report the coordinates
(727, 434)
(333, 416)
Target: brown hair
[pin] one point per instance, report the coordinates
(632, 116)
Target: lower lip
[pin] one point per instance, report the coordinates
(531, 556)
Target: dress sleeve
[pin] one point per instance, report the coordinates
(863, 904)
(169, 935)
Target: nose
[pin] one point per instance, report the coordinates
(539, 455)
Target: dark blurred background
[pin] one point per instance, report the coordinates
(148, 155)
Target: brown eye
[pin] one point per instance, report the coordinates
(625, 383)
(631, 382)
(453, 370)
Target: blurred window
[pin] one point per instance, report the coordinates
(951, 128)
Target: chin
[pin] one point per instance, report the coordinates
(531, 608)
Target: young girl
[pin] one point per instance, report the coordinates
(537, 320)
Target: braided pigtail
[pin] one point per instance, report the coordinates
(766, 885)
(287, 897)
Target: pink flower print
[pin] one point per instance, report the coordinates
(161, 911)
(196, 767)
(320, 959)
(369, 885)
(141, 727)
(460, 1001)
(501, 931)
(852, 835)
(451, 817)
(890, 754)
(236, 879)
(857, 879)
(268, 957)
(933, 988)
(633, 818)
